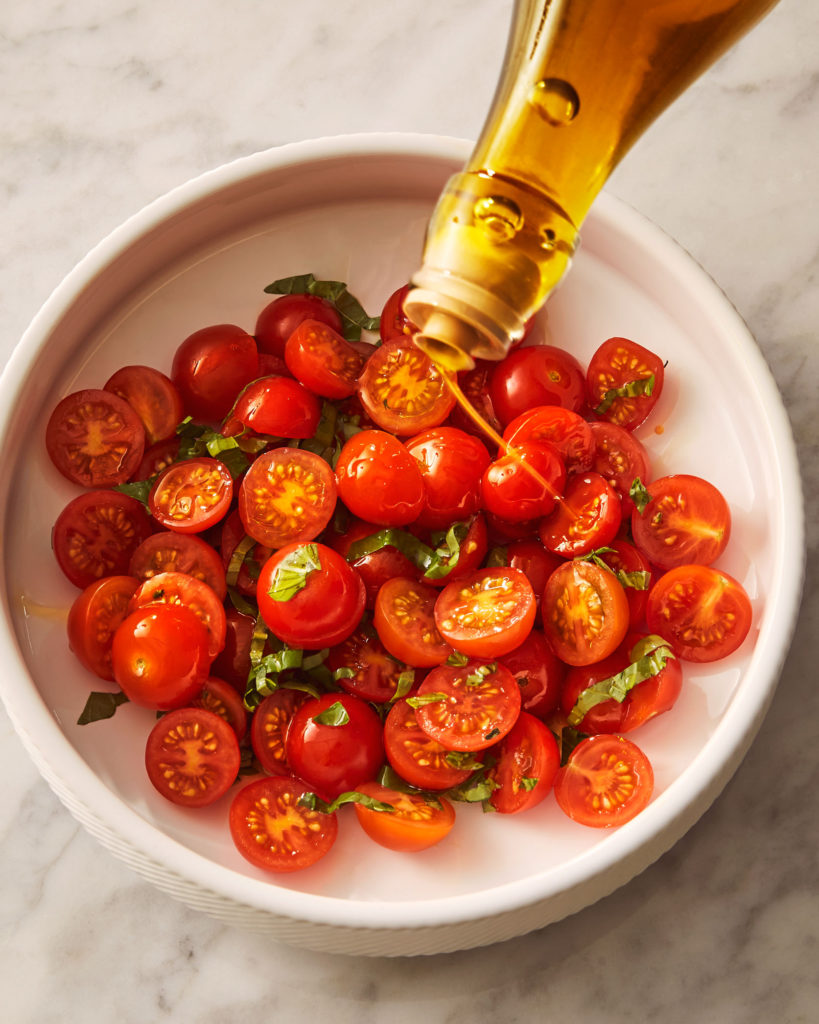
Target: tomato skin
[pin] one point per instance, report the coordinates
(686, 521)
(404, 619)
(282, 316)
(211, 367)
(585, 613)
(93, 619)
(394, 322)
(167, 551)
(472, 715)
(452, 463)
(95, 439)
(279, 406)
(286, 497)
(528, 751)
(378, 480)
(375, 673)
(414, 823)
(335, 758)
(536, 375)
(532, 558)
(324, 612)
(474, 385)
(588, 517)
(403, 391)
(379, 566)
(232, 663)
(269, 725)
(703, 613)
(625, 557)
(322, 360)
(619, 458)
(606, 781)
(418, 759)
(156, 458)
(272, 830)
(191, 496)
(488, 613)
(192, 757)
(517, 494)
(152, 396)
(160, 656)
(616, 362)
(96, 535)
(178, 588)
(539, 672)
(570, 434)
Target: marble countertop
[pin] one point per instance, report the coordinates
(106, 104)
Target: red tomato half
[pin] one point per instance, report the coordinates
(96, 534)
(686, 521)
(527, 762)
(323, 360)
(419, 760)
(452, 463)
(94, 618)
(192, 757)
(634, 572)
(192, 495)
(606, 781)
(178, 552)
(152, 396)
(585, 612)
(222, 699)
(474, 385)
(286, 497)
(274, 831)
(413, 824)
(487, 614)
(587, 518)
(362, 666)
(617, 363)
(378, 480)
(309, 596)
(703, 613)
(566, 430)
(404, 619)
(282, 316)
(619, 458)
(539, 673)
(532, 558)
(403, 391)
(394, 322)
(536, 375)
(376, 568)
(269, 726)
(95, 439)
(211, 367)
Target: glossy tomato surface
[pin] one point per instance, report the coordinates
(488, 613)
(452, 463)
(403, 391)
(211, 367)
(404, 617)
(625, 381)
(536, 375)
(153, 397)
(192, 495)
(527, 760)
(379, 480)
(282, 316)
(414, 823)
(687, 520)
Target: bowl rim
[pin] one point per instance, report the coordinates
(661, 824)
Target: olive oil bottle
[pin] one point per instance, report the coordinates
(581, 81)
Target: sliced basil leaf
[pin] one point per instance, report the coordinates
(462, 759)
(343, 673)
(139, 489)
(457, 660)
(293, 571)
(354, 318)
(315, 803)
(639, 579)
(100, 705)
(246, 544)
(528, 783)
(639, 494)
(426, 698)
(336, 714)
(631, 389)
(420, 554)
(403, 684)
(448, 552)
(480, 673)
(650, 661)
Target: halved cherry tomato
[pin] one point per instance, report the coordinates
(566, 430)
(323, 360)
(273, 830)
(588, 517)
(378, 480)
(269, 725)
(704, 613)
(634, 572)
(192, 757)
(178, 552)
(619, 458)
(420, 760)
(282, 316)
(606, 781)
(531, 557)
(309, 596)
(95, 439)
(334, 742)
(686, 521)
(413, 824)
(96, 534)
(222, 699)
(279, 406)
(452, 463)
(403, 391)
(378, 566)
(585, 612)
(178, 588)
(468, 707)
(525, 483)
(160, 656)
(192, 495)
(152, 396)
(404, 620)
(394, 322)
(286, 497)
(156, 458)
(526, 766)
(93, 619)
(362, 666)
(536, 375)
(617, 363)
(488, 613)
(211, 367)
(539, 673)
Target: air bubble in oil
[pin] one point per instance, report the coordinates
(499, 217)
(555, 100)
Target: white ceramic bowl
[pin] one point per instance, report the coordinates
(355, 209)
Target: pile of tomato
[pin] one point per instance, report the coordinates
(334, 586)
